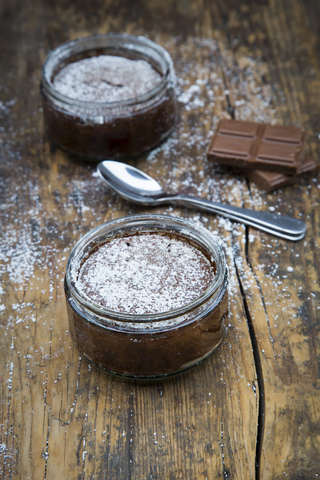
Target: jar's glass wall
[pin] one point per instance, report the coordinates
(148, 346)
(117, 129)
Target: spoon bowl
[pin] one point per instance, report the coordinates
(129, 181)
(138, 187)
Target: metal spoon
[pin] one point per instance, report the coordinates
(136, 186)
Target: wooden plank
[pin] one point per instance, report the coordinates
(312, 15)
(280, 284)
(293, 398)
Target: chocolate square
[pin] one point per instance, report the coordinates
(232, 146)
(243, 129)
(275, 152)
(281, 133)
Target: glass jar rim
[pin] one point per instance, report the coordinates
(61, 53)
(204, 237)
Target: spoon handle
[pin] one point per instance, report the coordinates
(282, 226)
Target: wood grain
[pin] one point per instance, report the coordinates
(252, 409)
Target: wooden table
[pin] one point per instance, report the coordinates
(252, 410)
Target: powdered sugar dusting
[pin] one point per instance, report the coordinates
(145, 274)
(106, 78)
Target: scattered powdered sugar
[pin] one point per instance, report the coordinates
(142, 274)
(5, 106)
(106, 78)
(20, 254)
(187, 95)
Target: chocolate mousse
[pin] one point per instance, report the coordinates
(108, 96)
(147, 296)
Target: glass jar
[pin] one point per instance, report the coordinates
(116, 129)
(151, 345)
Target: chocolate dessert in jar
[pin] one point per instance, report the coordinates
(108, 96)
(147, 295)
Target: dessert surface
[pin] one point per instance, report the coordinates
(145, 274)
(106, 78)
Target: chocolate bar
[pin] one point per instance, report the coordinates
(269, 181)
(250, 145)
